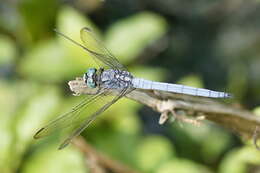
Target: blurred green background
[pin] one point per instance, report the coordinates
(203, 43)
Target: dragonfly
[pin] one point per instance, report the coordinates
(110, 76)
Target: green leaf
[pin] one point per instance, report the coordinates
(239, 160)
(25, 106)
(37, 18)
(182, 166)
(70, 22)
(127, 38)
(257, 111)
(8, 104)
(123, 116)
(191, 80)
(152, 152)
(7, 50)
(150, 73)
(37, 110)
(51, 160)
(53, 60)
(49, 62)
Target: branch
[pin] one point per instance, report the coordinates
(179, 106)
(97, 162)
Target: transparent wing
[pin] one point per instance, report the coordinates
(98, 51)
(80, 117)
(68, 119)
(88, 121)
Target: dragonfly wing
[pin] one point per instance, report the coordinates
(88, 120)
(69, 119)
(98, 51)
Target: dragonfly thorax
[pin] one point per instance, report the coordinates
(89, 77)
(116, 79)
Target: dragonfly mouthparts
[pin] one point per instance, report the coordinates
(76, 87)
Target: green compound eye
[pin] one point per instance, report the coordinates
(91, 83)
(91, 72)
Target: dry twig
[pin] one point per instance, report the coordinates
(241, 121)
(98, 162)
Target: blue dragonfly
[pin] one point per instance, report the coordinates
(111, 76)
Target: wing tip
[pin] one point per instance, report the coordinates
(37, 134)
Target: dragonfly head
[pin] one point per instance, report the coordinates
(89, 77)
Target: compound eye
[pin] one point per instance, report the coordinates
(90, 83)
(85, 77)
(91, 72)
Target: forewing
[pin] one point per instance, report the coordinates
(88, 120)
(69, 119)
(98, 51)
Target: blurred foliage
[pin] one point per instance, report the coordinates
(211, 44)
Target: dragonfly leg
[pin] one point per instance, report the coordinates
(183, 118)
(164, 117)
(98, 91)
